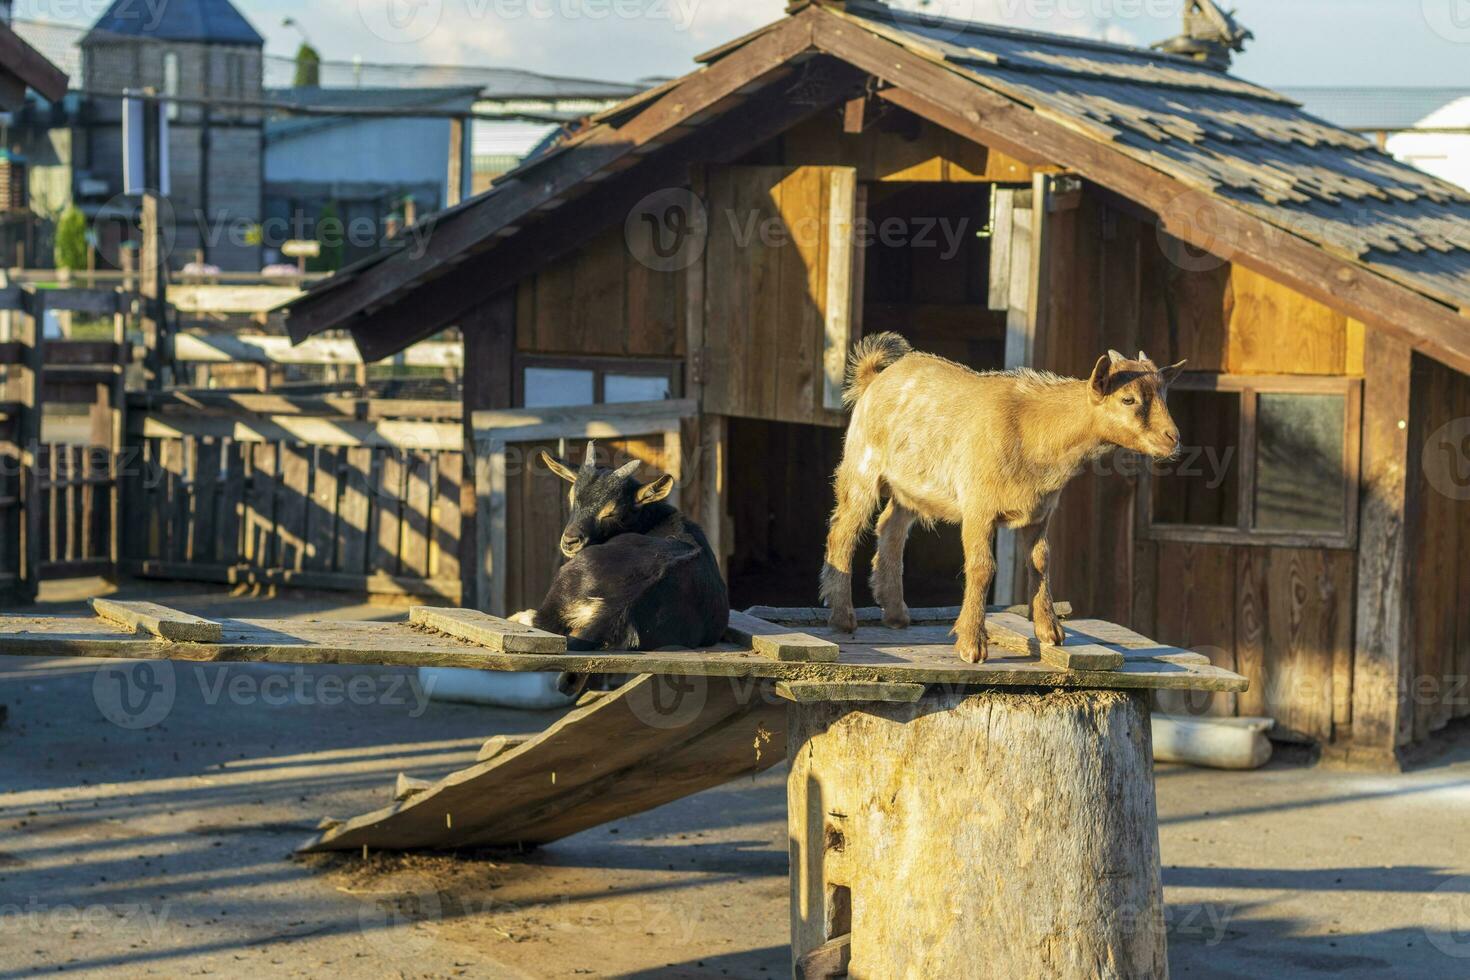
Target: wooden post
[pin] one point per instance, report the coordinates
(489, 359)
(153, 287)
(1383, 659)
(118, 435)
(32, 402)
(939, 858)
(455, 189)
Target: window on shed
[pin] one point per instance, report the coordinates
(1267, 460)
(546, 382)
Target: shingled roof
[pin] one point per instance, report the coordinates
(206, 21)
(1226, 164)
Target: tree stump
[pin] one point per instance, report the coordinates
(991, 834)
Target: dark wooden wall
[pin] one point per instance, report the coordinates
(1440, 541)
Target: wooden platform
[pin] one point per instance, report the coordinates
(688, 721)
(921, 654)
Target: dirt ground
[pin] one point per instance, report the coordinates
(165, 850)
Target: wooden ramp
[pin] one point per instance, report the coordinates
(654, 740)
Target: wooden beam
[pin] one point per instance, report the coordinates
(490, 632)
(1383, 655)
(779, 642)
(813, 692)
(448, 240)
(305, 429)
(948, 99)
(30, 67)
(160, 621)
(262, 349)
(489, 332)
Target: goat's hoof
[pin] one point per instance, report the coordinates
(1051, 633)
(972, 652)
(843, 622)
(897, 620)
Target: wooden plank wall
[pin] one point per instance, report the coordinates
(339, 510)
(537, 508)
(602, 301)
(1440, 536)
(1281, 616)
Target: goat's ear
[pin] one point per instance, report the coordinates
(1172, 372)
(560, 468)
(656, 491)
(1098, 385)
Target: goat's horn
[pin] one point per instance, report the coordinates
(589, 461)
(627, 469)
(1115, 357)
(1142, 356)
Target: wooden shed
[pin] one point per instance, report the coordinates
(1003, 198)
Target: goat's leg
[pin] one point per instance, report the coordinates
(971, 643)
(856, 499)
(887, 579)
(1043, 615)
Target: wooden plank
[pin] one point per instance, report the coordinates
(160, 621)
(270, 350)
(231, 503)
(376, 583)
(1075, 653)
(490, 632)
(195, 300)
(307, 430)
(208, 486)
(260, 505)
(416, 516)
(447, 518)
(813, 692)
(387, 524)
(353, 525)
(321, 517)
(293, 505)
(921, 656)
(93, 302)
(362, 409)
(778, 642)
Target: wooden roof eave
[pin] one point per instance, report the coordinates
(937, 91)
(25, 63)
(600, 147)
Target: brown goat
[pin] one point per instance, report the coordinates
(945, 443)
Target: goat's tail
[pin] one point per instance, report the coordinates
(871, 355)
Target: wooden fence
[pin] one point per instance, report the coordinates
(315, 492)
(58, 499)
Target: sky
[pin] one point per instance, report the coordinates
(1298, 42)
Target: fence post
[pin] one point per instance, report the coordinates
(32, 401)
(115, 445)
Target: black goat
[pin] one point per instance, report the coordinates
(639, 574)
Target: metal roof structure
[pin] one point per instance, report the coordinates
(1227, 165)
(287, 127)
(204, 21)
(1376, 108)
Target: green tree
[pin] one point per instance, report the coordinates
(71, 240)
(308, 67)
(332, 235)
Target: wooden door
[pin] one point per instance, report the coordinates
(780, 309)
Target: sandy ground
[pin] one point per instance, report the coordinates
(166, 850)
